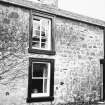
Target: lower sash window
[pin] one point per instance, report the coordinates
(41, 80)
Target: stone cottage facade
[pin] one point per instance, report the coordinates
(49, 56)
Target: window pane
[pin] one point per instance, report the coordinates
(37, 86)
(35, 44)
(36, 24)
(36, 28)
(43, 40)
(43, 45)
(40, 70)
(45, 86)
(45, 27)
(36, 39)
(45, 71)
(36, 33)
(42, 33)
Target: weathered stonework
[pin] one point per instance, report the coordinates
(78, 46)
(14, 32)
(53, 3)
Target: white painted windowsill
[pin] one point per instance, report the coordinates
(101, 102)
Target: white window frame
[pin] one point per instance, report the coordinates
(49, 32)
(48, 82)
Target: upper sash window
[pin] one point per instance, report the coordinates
(41, 34)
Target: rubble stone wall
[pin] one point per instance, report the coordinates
(78, 46)
(53, 3)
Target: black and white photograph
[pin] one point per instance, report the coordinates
(52, 52)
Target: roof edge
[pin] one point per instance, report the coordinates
(82, 18)
(55, 11)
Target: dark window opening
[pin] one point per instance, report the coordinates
(102, 66)
(41, 80)
(39, 87)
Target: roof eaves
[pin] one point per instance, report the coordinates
(55, 11)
